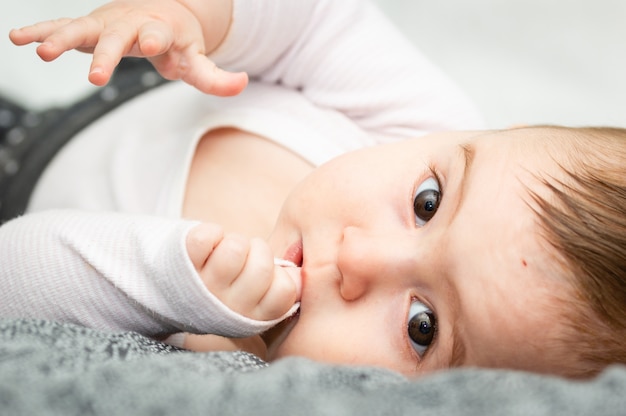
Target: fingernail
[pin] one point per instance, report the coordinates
(96, 70)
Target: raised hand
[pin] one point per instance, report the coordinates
(174, 35)
(242, 274)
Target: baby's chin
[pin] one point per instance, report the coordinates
(276, 336)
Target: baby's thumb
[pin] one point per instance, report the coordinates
(281, 299)
(295, 274)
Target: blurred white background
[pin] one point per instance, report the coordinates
(530, 61)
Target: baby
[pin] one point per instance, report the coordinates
(502, 249)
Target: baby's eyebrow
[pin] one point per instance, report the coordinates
(468, 153)
(458, 350)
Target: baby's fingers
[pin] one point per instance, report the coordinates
(81, 33)
(201, 241)
(155, 38)
(241, 273)
(123, 39)
(119, 39)
(197, 70)
(262, 291)
(284, 291)
(210, 79)
(37, 32)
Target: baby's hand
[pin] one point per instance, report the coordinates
(240, 272)
(166, 32)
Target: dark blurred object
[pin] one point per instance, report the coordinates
(29, 140)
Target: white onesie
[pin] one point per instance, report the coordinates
(327, 77)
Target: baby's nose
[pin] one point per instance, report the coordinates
(368, 260)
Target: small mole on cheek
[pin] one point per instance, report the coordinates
(524, 263)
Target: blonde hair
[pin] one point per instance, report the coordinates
(583, 217)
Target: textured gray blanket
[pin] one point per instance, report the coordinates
(49, 368)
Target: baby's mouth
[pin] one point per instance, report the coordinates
(294, 254)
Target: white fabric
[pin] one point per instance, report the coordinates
(328, 76)
(113, 272)
(142, 166)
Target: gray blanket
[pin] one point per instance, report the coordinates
(50, 368)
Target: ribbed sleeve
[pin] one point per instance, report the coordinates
(110, 271)
(347, 56)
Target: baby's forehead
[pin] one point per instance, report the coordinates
(544, 143)
(546, 299)
(533, 157)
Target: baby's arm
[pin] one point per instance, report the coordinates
(117, 272)
(345, 55)
(175, 35)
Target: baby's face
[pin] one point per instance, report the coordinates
(423, 255)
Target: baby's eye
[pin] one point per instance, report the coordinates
(421, 327)
(426, 201)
